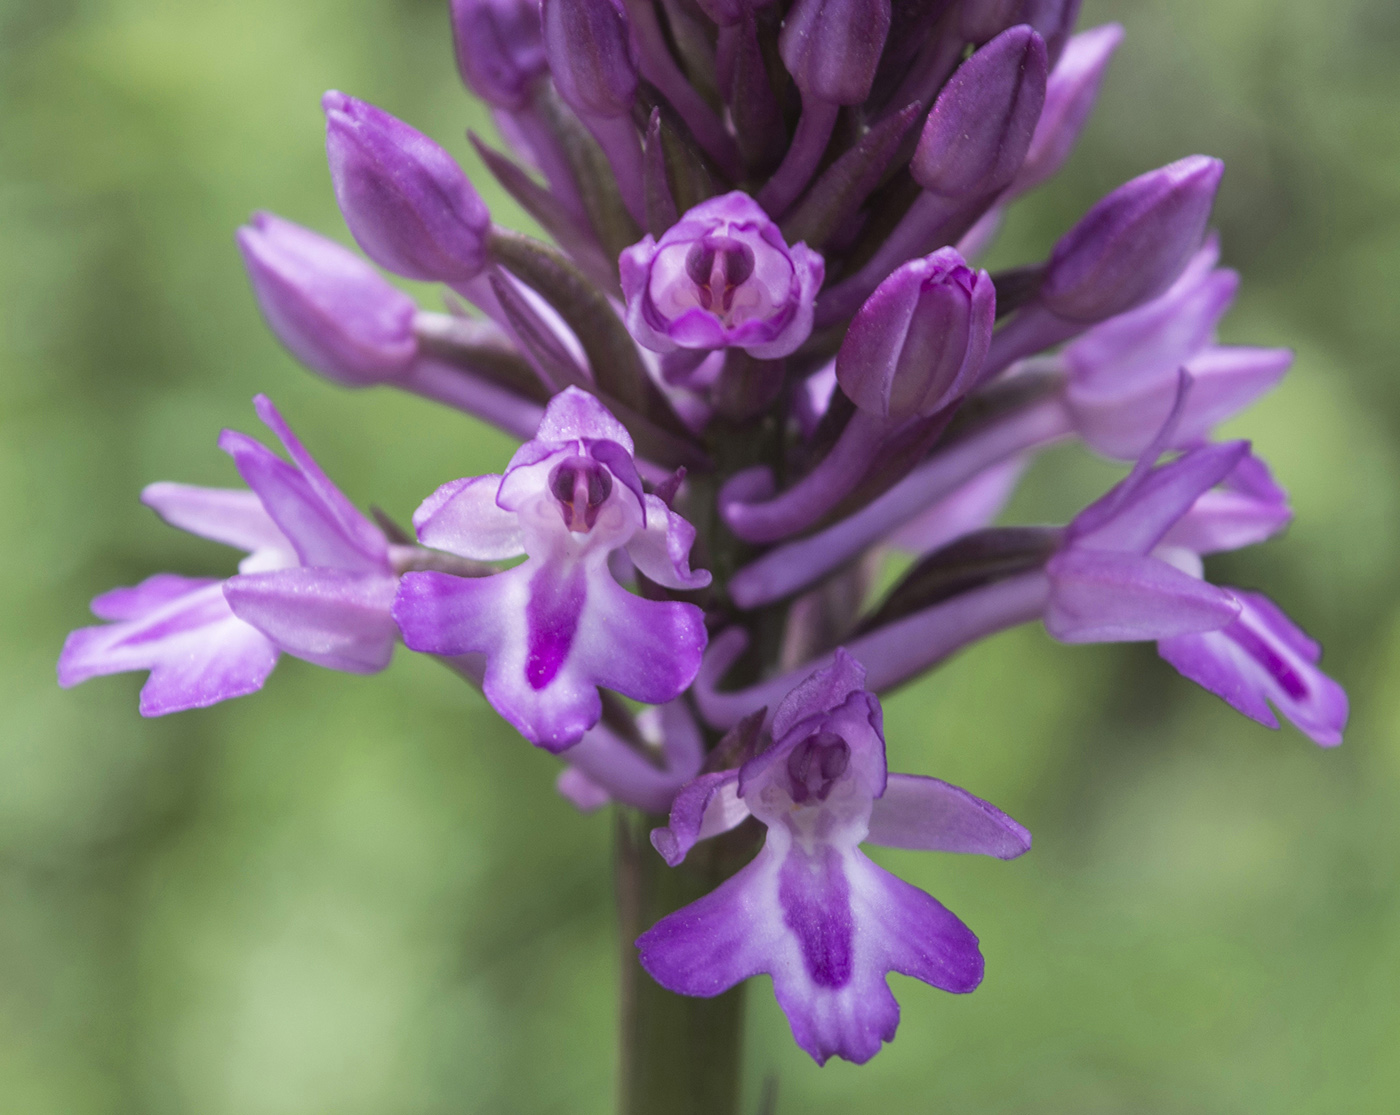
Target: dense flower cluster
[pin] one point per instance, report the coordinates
(760, 343)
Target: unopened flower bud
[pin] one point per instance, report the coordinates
(1133, 243)
(406, 200)
(1069, 98)
(721, 278)
(500, 49)
(334, 312)
(977, 135)
(918, 343)
(832, 47)
(591, 54)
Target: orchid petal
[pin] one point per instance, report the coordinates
(313, 526)
(827, 926)
(334, 618)
(662, 550)
(233, 516)
(580, 631)
(706, 807)
(1138, 512)
(197, 651)
(462, 517)
(1259, 659)
(1099, 596)
(928, 814)
(823, 691)
(362, 534)
(575, 415)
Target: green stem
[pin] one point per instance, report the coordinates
(680, 1055)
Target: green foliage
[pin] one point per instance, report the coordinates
(352, 895)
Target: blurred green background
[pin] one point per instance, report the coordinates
(351, 895)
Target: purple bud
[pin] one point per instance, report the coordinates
(591, 55)
(333, 311)
(977, 135)
(1069, 97)
(1133, 243)
(500, 49)
(406, 200)
(918, 343)
(721, 278)
(832, 47)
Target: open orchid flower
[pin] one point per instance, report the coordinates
(558, 626)
(1132, 570)
(317, 583)
(1261, 657)
(722, 277)
(811, 910)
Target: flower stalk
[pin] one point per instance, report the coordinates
(678, 1053)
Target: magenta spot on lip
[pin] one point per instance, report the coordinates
(551, 621)
(816, 902)
(1287, 677)
(192, 615)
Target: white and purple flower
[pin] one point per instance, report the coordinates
(558, 626)
(317, 583)
(1131, 570)
(812, 910)
(722, 277)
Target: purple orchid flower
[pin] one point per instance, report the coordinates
(722, 277)
(317, 584)
(1123, 372)
(558, 626)
(811, 910)
(1131, 570)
